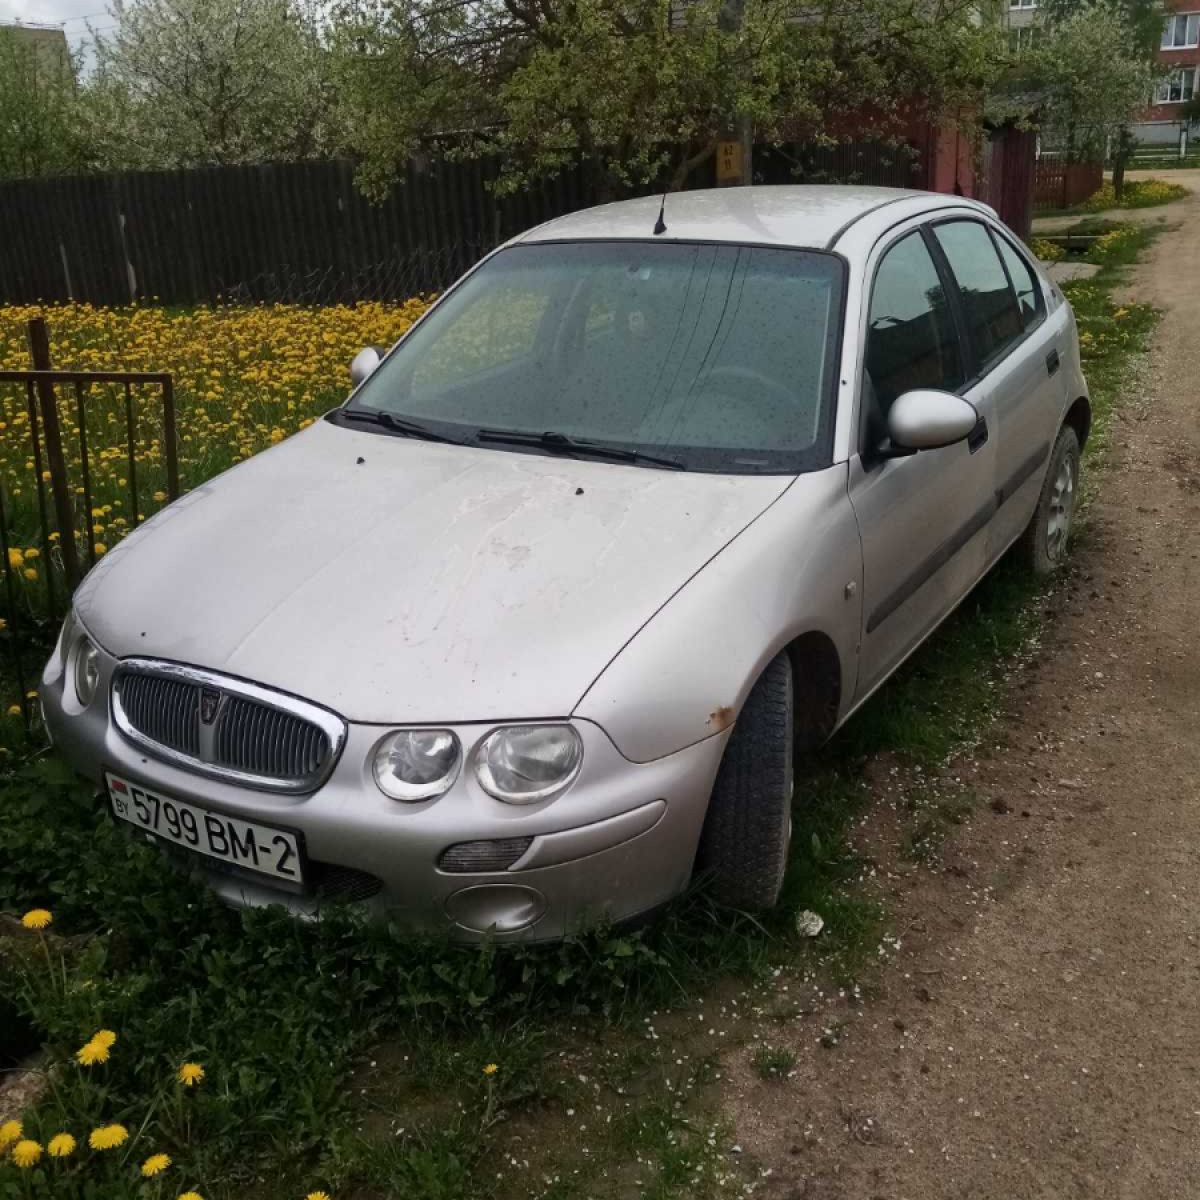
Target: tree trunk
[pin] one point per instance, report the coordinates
(1124, 146)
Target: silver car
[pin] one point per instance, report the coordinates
(525, 634)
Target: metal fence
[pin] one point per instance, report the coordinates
(34, 598)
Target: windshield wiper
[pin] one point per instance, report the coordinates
(393, 424)
(560, 443)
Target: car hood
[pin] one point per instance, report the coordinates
(402, 581)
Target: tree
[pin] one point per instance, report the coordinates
(642, 89)
(193, 82)
(41, 129)
(1141, 25)
(1082, 82)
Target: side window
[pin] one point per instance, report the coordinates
(993, 321)
(1029, 295)
(911, 342)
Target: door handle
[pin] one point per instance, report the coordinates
(1052, 362)
(978, 436)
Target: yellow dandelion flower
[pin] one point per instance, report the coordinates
(491, 1069)
(14, 710)
(30, 574)
(26, 1153)
(156, 1164)
(160, 496)
(190, 1196)
(32, 552)
(61, 1144)
(16, 559)
(190, 1074)
(10, 1132)
(108, 1137)
(36, 918)
(100, 548)
(105, 1038)
(317, 1196)
(91, 1053)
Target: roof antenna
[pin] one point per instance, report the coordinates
(660, 226)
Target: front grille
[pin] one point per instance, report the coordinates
(166, 710)
(265, 741)
(226, 727)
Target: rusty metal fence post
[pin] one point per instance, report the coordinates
(39, 352)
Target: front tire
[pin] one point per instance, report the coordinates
(1043, 545)
(744, 843)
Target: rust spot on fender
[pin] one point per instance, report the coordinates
(721, 718)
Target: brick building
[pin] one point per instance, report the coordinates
(1180, 53)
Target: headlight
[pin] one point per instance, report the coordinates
(86, 670)
(527, 763)
(417, 764)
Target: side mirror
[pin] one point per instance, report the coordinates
(925, 419)
(364, 362)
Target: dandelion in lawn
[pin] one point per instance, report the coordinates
(190, 1074)
(36, 918)
(30, 574)
(26, 1153)
(190, 1196)
(61, 1145)
(100, 548)
(108, 1137)
(14, 710)
(16, 559)
(317, 1196)
(10, 1132)
(490, 1069)
(105, 1038)
(156, 1164)
(91, 1053)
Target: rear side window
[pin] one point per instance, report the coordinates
(993, 321)
(1025, 283)
(911, 341)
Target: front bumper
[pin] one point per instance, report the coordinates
(620, 842)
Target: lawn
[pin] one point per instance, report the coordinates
(347, 1059)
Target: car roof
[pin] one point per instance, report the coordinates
(795, 215)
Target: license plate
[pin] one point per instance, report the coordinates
(245, 844)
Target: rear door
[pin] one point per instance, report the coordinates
(923, 519)
(1017, 374)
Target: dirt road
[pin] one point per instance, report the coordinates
(1039, 1033)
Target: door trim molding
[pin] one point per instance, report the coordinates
(925, 570)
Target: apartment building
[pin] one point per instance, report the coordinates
(1179, 53)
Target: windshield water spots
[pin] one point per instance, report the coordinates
(718, 354)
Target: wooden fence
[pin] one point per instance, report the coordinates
(301, 231)
(1059, 184)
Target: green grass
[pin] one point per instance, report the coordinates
(342, 1055)
(773, 1062)
(1140, 193)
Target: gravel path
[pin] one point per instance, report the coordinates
(1038, 1035)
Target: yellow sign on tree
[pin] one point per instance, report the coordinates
(729, 163)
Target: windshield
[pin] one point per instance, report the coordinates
(721, 356)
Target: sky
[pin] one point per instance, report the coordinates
(71, 15)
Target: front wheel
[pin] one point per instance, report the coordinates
(1043, 545)
(744, 844)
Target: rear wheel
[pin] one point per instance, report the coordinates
(744, 844)
(1043, 545)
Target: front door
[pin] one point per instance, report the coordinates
(924, 518)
